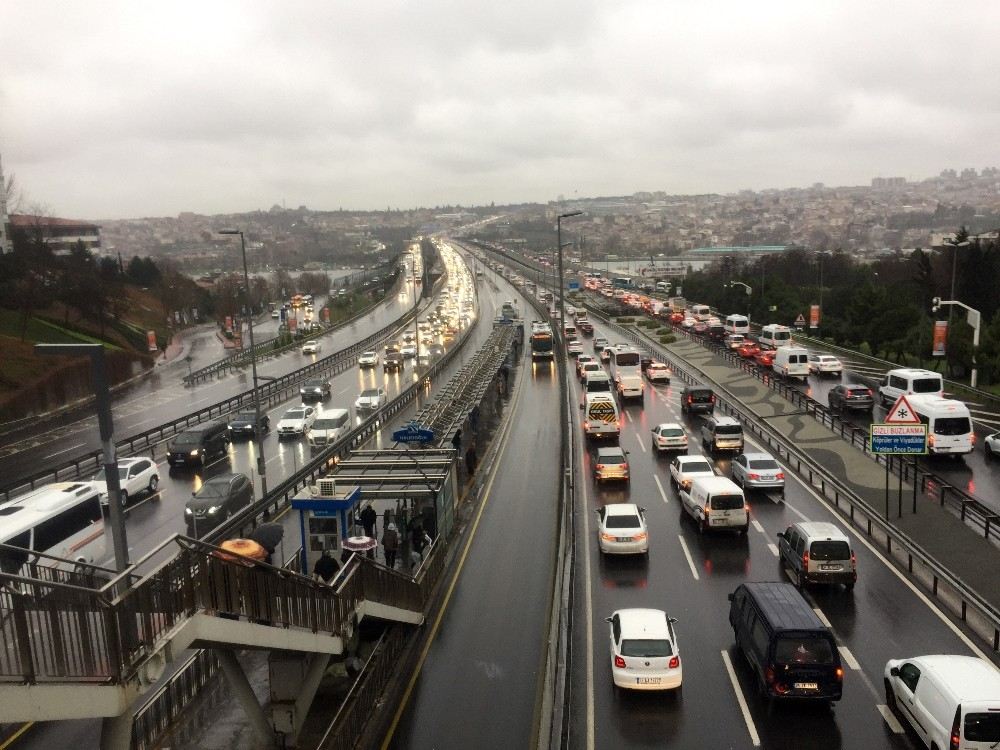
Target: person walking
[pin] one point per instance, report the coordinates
(470, 460)
(325, 569)
(368, 518)
(390, 545)
(456, 441)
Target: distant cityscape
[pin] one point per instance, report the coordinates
(889, 215)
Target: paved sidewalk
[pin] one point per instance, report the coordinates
(955, 545)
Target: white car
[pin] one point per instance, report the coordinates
(574, 346)
(688, 322)
(621, 529)
(825, 364)
(992, 445)
(657, 372)
(684, 469)
(297, 421)
(371, 398)
(312, 347)
(644, 650)
(368, 359)
(669, 436)
(135, 476)
(409, 351)
(275, 314)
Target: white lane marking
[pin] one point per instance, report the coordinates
(822, 617)
(642, 445)
(628, 416)
(660, 488)
(796, 511)
(774, 549)
(890, 719)
(906, 582)
(589, 610)
(751, 728)
(66, 450)
(687, 554)
(848, 658)
(756, 525)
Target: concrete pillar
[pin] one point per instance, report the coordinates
(295, 677)
(245, 695)
(116, 732)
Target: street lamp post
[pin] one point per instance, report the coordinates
(954, 263)
(749, 292)
(105, 424)
(562, 300)
(973, 318)
(261, 464)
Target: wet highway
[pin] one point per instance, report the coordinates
(162, 396)
(690, 576)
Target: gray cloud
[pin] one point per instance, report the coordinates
(120, 110)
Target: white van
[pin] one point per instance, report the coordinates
(791, 362)
(716, 503)
(909, 380)
(773, 335)
(329, 428)
(949, 424)
(600, 415)
(62, 519)
(950, 701)
(597, 382)
(700, 312)
(663, 286)
(626, 371)
(737, 324)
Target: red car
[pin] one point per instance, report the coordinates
(677, 317)
(748, 350)
(765, 357)
(701, 328)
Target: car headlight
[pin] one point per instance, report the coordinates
(214, 509)
(195, 452)
(188, 512)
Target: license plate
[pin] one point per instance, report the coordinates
(829, 567)
(806, 686)
(647, 680)
(623, 539)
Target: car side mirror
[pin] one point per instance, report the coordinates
(581, 407)
(608, 619)
(672, 620)
(642, 510)
(729, 597)
(894, 672)
(780, 535)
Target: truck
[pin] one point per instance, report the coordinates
(677, 304)
(626, 372)
(508, 311)
(541, 341)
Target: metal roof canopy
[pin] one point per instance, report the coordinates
(404, 473)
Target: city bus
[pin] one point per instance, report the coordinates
(621, 282)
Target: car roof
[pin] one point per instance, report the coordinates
(969, 677)
(759, 457)
(689, 458)
(621, 509)
(726, 421)
(820, 529)
(783, 606)
(641, 623)
(675, 425)
(612, 450)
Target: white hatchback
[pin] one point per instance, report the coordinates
(621, 529)
(825, 364)
(669, 436)
(644, 650)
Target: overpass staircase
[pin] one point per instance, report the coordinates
(80, 644)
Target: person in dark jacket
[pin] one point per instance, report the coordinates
(390, 544)
(368, 518)
(456, 441)
(326, 568)
(470, 460)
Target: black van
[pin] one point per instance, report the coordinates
(198, 445)
(792, 653)
(697, 398)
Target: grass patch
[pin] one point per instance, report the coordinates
(39, 331)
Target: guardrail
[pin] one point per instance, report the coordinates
(944, 585)
(271, 392)
(242, 359)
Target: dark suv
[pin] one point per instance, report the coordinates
(197, 445)
(316, 389)
(698, 399)
(851, 396)
(218, 499)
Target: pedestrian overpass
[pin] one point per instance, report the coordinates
(77, 645)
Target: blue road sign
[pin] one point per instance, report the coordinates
(907, 439)
(573, 286)
(413, 433)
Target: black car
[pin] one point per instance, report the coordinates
(218, 499)
(242, 425)
(315, 389)
(697, 399)
(851, 396)
(198, 445)
(645, 362)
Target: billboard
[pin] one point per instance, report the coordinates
(814, 316)
(151, 341)
(940, 338)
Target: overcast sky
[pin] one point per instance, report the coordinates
(113, 110)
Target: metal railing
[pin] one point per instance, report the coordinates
(943, 584)
(271, 392)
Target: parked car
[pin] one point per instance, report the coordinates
(311, 347)
(135, 477)
(644, 650)
(295, 422)
(218, 498)
(245, 424)
(758, 471)
(370, 399)
(611, 463)
(669, 436)
(825, 364)
(684, 469)
(657, 372)
(621, 529)
(851, 396)
(316, 389)
(368, 359)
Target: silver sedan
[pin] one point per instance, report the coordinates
(758, 471)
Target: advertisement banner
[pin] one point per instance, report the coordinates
(293, 323)
(151, 341)
(940, 338)
(814, 316)
(229, 324)
(326, 314)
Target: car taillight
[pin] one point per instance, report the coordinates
(870, 393)
(753, 476)
(608, 537)
(586, 425)
(707, 508)
(780, 475)
(840, 673)
(641, 536)
(599, 467)
(930, 441)
(972, 438)
(805, 559)
(956, 730)
(619, 662)
(711, 399)
(690, 399)
(769, 675)
(675, 661)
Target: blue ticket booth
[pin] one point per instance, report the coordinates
(325, 520)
